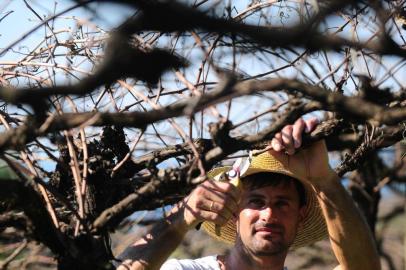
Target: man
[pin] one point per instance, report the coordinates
(265, 220)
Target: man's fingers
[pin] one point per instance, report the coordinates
(217, 204)
(297, 131)
(311, 124)
(213, 217)
(223, 188)
(212, 195)
(220, 208)
(290, 138)
(218, 211)
(287, 139)
(213, 201)
(276, 142)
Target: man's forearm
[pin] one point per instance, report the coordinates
(350, 236)
(151, 251)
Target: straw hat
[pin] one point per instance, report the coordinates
(314, 226)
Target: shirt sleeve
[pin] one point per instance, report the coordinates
(171, 264)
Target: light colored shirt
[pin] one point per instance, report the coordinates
(205, 263)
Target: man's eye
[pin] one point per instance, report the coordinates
(280, 204)
(256, 202)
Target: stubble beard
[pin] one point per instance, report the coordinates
(263, 247)
(268, 247)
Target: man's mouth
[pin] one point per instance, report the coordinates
(268, 229)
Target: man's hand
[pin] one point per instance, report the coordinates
(210, 201)
(311, 162)
(290, 138)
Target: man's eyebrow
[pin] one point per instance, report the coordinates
(255, 195)
(279, 197)
(284, 197)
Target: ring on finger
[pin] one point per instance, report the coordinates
(211, 205)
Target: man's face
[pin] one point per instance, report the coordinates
(268, 219)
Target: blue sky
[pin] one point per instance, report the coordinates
(21, 20)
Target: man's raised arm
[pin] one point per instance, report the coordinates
(350, 237)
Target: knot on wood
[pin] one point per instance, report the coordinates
(220, 132)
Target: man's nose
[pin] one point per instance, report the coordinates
(267, 214)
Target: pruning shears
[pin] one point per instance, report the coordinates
(238, 169)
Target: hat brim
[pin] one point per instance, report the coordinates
(312, 229)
